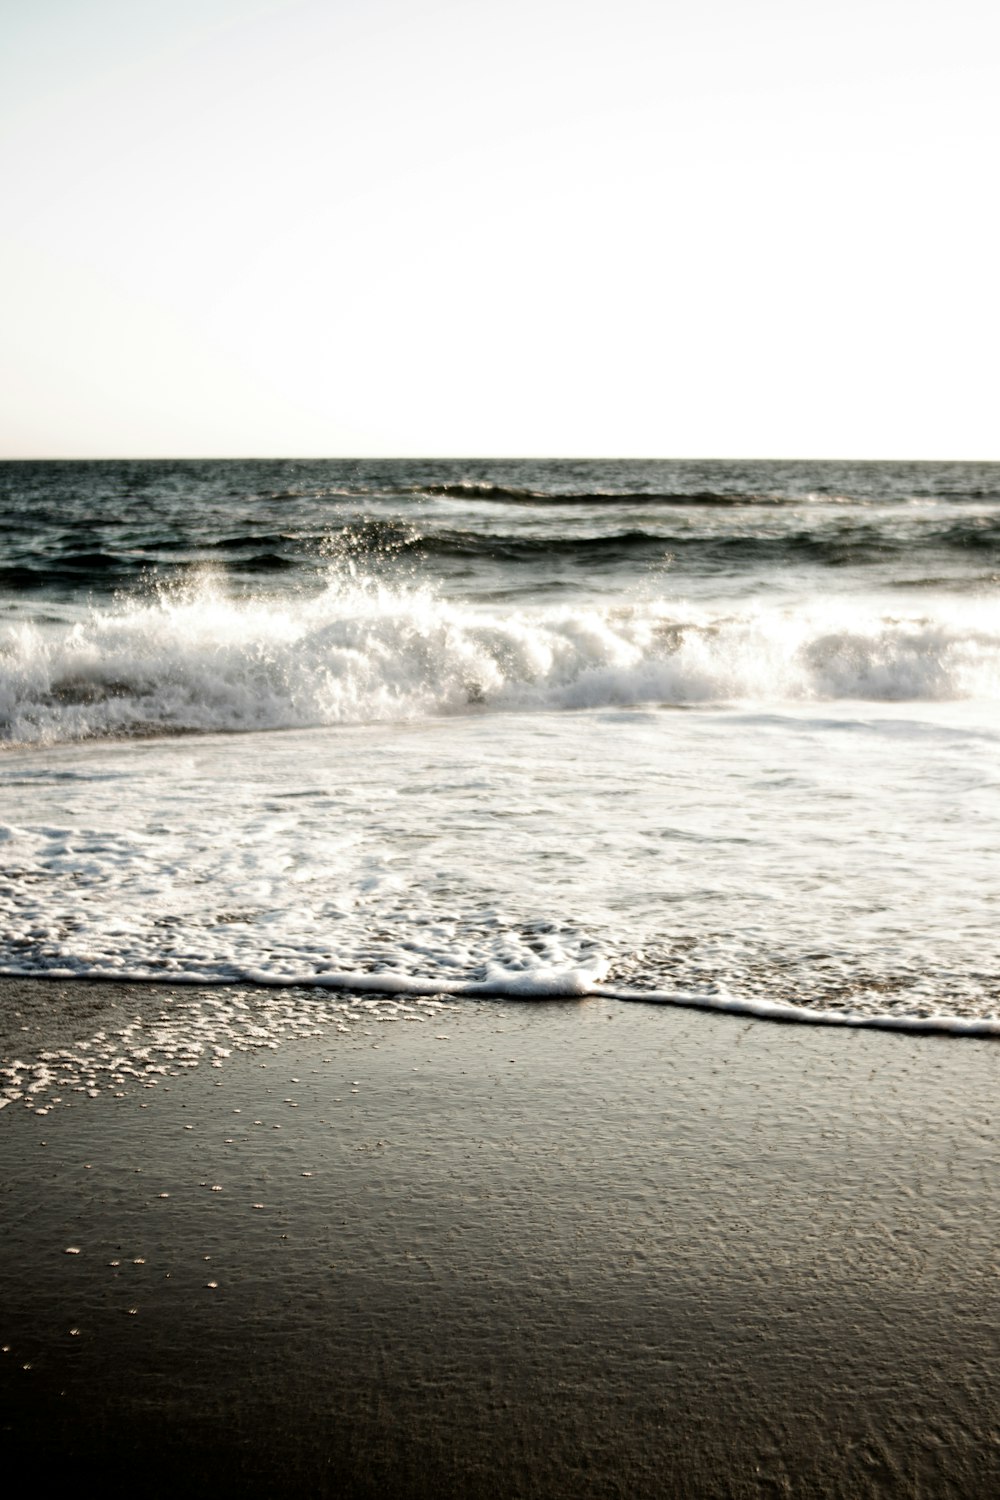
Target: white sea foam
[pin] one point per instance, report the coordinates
(776, 1010)
(199, 660)
(757, 862)
(150, 1040)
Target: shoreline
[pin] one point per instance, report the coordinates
(571, 985)
(568, 1248)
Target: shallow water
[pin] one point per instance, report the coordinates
(719, 733)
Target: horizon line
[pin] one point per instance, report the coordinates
(482, 458)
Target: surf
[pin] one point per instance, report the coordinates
(200, 659)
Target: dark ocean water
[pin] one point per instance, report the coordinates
(720, 732)
(73, 531)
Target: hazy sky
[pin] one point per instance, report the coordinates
(606, 227)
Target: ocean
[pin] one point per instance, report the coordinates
(407, 733)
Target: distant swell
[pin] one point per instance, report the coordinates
(477, 490)
(200, 661)
(586, 544)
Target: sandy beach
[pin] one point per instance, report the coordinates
(539, 1250)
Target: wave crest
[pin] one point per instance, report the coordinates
(198, 660)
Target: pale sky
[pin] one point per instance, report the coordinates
(694, 228)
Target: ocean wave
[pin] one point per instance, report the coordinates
(471, 489)
(787, 495)
(199, 660)
(498, 492)
(588, 544)
(513, 494)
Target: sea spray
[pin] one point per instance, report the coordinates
(361, 651)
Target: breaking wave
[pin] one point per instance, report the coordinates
(200, 660)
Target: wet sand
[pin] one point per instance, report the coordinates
(565, 1249)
